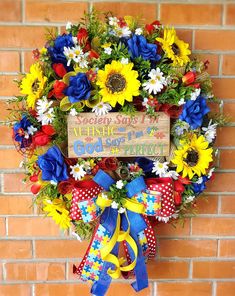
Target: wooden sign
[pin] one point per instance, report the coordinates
(116, 134)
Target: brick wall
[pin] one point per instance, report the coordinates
(35, 258)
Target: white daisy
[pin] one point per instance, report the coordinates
(210, 132)
(139, 31)
(101, 109)
(119, 184)
(53, 182)
(156, 82)
(124, 61)
(43, 105)
(123, 32)
(68, 26)
(73, 112)
(70, 55)
(31, 129)
(195, 94)
(121, 210)
(172, 174)
(83, 62)
(113, 21)
(47, 117)
(181, 102)
(199, 181)
(75, 40)
(114, 205)
(190, 198)
(108, 50)
(160, 168)
(77, 171)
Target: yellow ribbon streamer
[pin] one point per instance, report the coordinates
(119, 236)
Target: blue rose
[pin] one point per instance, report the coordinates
(52, 165)
(20, 130)
(79, 88)
(56, 52)
(138, 46)
(193, 112)
(145, 164)
(199, 188)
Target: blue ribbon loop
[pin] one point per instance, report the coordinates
(108, 220)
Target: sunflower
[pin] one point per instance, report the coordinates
(193, 157)
(118, 82)
(58, 212)
(176, 49)
(32, 84)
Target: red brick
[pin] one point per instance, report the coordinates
(228, 204)
(2, 227)
(13, 183)
(228, 64)
(207, 204)
(5, 57)
(225, 136)
(61, 289)
(227, 159)
(163, 229)
(35, 271)
(50, 11)
(188, 14)
(15, 249)
(145, 10)
(227, 248)
(214, 226)
(36, 226)
(6, 109)
(187, 248)
(10, 11)
(229, 111)
(215, 40)
(223, 88)
(60, 248)
(19, 290)
(230, 13)
(6, 135)
(7, 86)
(184, 289)
(222, 182)
(167, 269)
(10, 159)
(22, 36)
(28, 60)
(216, 269)
(12, 205)
(225, 289)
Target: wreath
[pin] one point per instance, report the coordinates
(115, 67)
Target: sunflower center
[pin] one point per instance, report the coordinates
(175, 49)
(116, 82)
(35, 85)
(192, 158)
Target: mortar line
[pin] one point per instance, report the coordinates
(223, 14)
(22, 11)
(214, 285)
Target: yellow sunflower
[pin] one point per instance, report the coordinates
(33, 84)
(176, 49)
(118, 83)
(58, 212)
(193, 157)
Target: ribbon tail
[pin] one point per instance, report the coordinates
(138, 224)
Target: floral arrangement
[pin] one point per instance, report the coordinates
(116, 65)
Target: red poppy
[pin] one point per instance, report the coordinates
(59, 69)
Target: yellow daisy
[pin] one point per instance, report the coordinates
(175, 49)
(33, 84)
(58, 212)
(193, 157)
(118, 83)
